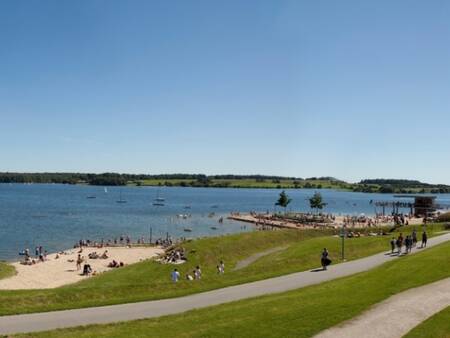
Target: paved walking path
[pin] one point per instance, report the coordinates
(253, 258)
(397, 315)
(150, 309)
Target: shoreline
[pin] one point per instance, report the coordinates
(57, 272)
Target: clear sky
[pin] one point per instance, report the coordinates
(351, 89)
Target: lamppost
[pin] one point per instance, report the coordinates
(343, 241)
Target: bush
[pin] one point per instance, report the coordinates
(444, 217)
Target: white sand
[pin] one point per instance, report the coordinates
(397, 315)
(58, 272)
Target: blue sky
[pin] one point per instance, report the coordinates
(351, 89)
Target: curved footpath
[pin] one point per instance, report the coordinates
(397, 315)
(150, 309)
(253, 258)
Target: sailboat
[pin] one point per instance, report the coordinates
(106, 190)
(121, 200)
(158, 201)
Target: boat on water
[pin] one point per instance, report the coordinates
(187, 206)
(187, 229)
(106, 190)
(159, 201)
(91, 197)
(121, 200)
(214, 228)
(215, 206)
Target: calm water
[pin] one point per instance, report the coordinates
(56, 216)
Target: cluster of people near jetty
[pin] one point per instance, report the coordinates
(196, 273)
(409, 242)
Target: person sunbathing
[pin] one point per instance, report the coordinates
(87, 270)
(113, 264)
(104, 255)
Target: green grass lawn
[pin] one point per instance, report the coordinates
(150, 280)
(6, 270)
(300, 313)
(437, 326)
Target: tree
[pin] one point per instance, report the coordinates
(316, 202)
(283, 200)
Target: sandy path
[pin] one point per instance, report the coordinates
(58, 272)
(253, 258)
(396, 316)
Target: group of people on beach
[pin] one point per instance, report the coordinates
(409, 242)
(40, 256)
(196, 274)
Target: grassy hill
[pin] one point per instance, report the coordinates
(150, 280)
(300, 313)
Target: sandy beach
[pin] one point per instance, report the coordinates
(62, 271)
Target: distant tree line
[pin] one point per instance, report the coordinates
(400, 186)
(224, 181)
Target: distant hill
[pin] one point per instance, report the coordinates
(227, 181)
(402, 186)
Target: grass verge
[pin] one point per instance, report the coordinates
(300, 313)
(6, 270)
(437, 326)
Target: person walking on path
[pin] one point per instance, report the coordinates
(408, 244)
(175, 276)
(424, 240)
(400, 243)
(392, 245)
(414, 238)
(325, 260)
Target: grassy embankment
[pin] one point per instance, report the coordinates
(150, 280)
(6, 270)
(437, 326)
(299, 313)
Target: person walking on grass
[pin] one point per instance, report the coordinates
(325, 261)
(392, 245)
(424, 240)
(175, 276)
(197, 273)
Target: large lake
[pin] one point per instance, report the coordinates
(56, 216)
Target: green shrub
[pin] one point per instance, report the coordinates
(444, 217)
